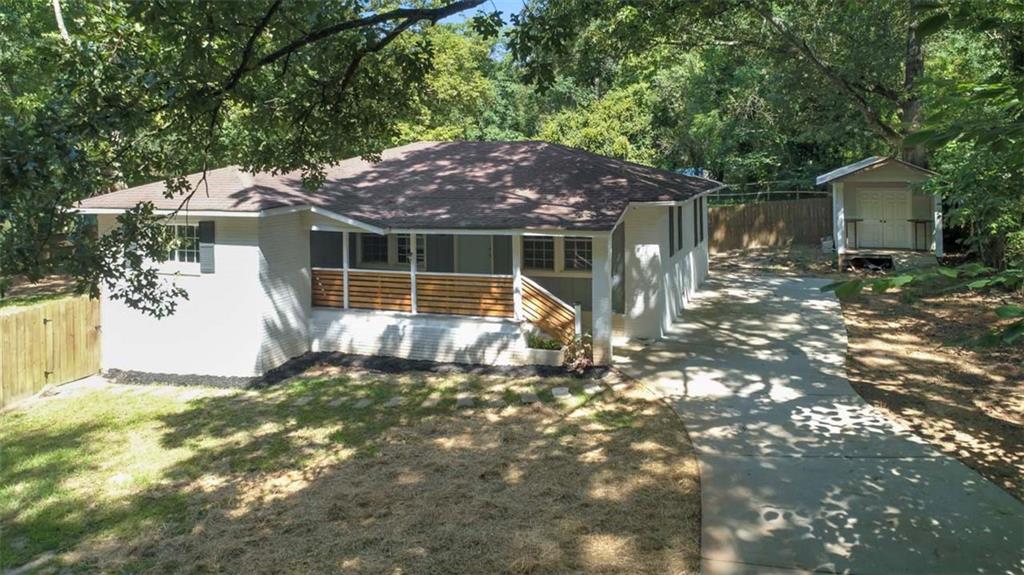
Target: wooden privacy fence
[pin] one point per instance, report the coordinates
(768, 224)
(547, 312)
(52, 342)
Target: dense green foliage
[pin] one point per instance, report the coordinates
(139, 91)
(759, 94)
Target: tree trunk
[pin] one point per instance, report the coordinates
(910, 107)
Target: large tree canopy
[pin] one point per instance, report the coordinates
(760, 93)
(101, 94)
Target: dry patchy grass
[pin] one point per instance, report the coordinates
(297, 479)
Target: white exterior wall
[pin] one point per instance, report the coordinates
(424, 336)
(285, 280)
(660, 283)
(215, 332)
(685, 270)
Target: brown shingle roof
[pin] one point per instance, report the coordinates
(484, 185)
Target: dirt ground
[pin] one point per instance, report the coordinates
(909, 359)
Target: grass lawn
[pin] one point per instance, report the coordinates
(298, 478)
(909, 359)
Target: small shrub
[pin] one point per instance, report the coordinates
(579, 353)
(540, 341)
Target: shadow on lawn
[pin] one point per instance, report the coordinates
(296, 478)
(33, 469)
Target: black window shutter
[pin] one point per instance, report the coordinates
(679, 228)
(696, 226)
(671, 231)
(207, 239)
(703, 206)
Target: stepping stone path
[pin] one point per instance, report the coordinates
(561, 393)
(336, 402)
(529, 397)
(430, 402)
(394, 402)
(303, 400)
(464, 400)
(592, 388)
(362, 403)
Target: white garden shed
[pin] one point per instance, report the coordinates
(877, 205)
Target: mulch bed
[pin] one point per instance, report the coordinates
(378, 364)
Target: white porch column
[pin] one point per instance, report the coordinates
(838, 218)
(937, 225)
(517, 277)
(601, 304)
(345, 264)
(412, 269)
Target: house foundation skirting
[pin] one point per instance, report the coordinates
(424, 336)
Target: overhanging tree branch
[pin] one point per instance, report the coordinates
(408, 16)
(845, 86)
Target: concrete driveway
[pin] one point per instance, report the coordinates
(797, 472)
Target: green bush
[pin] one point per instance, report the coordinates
(540, 341)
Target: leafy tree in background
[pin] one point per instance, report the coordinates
(101, 94)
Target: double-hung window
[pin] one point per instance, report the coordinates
(579, 254)
(373, 249)
(421, 249)
(539, 252)
(184, 243)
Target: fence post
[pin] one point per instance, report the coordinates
(578, 325)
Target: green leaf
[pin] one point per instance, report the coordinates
(881, 286)
(1014, 332)
(831, 287)
(921, 137)
(1009, 311)
(849, 289)
(948, 272)
(978, 284)
(901, 280)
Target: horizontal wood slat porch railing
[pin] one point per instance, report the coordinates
(547, 312)
(328, 288)
(366, 290)
(474, 295)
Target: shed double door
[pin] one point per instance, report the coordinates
(884, 215)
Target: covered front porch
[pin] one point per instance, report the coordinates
(473, 294)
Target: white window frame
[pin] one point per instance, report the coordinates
(421, 250)
(566, 242)
(554, 253)
(172, 264)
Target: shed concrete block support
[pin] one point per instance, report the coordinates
(601, 304)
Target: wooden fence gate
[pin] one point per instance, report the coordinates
(52, 342)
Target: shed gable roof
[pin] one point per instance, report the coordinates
(865, 164)
(442, 185)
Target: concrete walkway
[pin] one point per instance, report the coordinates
(797, 472)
